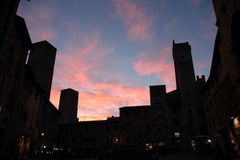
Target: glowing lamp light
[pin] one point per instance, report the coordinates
(116, 140)
(236, 122)
(193, 144)
(209, 141)
(148, 146)
(177, 134)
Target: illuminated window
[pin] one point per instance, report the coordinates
(236, 122)
(193, 144)
(116, 140)
(148, 146)
(177, 134)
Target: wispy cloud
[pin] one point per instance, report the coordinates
(135, 19)
(104, 103)
(157, 63)
(39, 21)
(78, 68)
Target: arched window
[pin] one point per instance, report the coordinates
(235, 31)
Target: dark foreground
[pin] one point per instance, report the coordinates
(172, 156)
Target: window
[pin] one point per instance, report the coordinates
(177, 134)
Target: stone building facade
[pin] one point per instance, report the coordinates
(12, 68)
(222, 89)
(26, 114)
(42, 60)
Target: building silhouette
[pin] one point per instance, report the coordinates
(222, 89)
(12, 113)
(42, 60)
(68, 106)
(172, 119)
(30, 124)
(8, 11)
(185, 82)
(158, 114)
(25, 111)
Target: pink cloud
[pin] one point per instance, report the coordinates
(102, 104)
(40, 21)
(78, 68)
(158, 64)
(135, 19)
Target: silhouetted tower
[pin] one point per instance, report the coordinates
(68, 106)
(183, 64)
(185, 82)
(158, 96)
(42, 60)
(159, 114)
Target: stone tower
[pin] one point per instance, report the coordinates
(185, 82)
(68, 106)
(159, 112)
(42, 60)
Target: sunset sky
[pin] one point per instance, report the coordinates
(110, 51)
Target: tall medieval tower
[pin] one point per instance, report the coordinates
(185, 82)
(68, 106)
(42, 60)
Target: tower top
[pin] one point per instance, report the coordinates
(181, 46)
